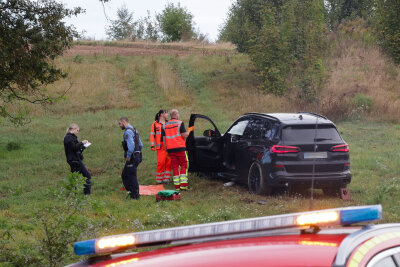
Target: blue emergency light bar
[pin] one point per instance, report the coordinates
(328, 217)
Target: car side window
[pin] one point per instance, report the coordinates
(269, 131)
(238, 128)
(254, 129)
(202, 126)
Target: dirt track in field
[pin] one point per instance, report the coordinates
(131, 51)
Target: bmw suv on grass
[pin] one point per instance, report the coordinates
(271, 151)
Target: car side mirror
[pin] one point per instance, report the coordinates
(209, 133)
(235, 138)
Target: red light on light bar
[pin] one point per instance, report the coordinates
(284, 149)
(340, 148)
(347, 164)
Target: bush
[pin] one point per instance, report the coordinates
(64, 224)
(362, 102)
(13, 146)
(61, 225)
(78, 59)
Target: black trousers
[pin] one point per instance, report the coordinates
(129, 179)
(78, 166)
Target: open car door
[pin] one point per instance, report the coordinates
(203, 145)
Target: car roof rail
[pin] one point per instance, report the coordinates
(313, 114)
(262, 115)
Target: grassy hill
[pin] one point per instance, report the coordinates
(219, 83)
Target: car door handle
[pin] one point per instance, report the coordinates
(242, 144)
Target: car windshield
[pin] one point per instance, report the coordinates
(307, 133)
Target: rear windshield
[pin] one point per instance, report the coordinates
(308, 133)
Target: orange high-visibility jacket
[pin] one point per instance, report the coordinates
(155, 135)
(173, 137)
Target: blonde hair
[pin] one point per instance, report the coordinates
(71, 127)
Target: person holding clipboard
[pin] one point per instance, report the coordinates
(73, 152)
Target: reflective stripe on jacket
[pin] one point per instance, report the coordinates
(155, 135)
(173, 137)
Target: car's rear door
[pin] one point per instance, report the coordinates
(203, 145)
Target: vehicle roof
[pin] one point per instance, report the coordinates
(294, 118)
(289, 250)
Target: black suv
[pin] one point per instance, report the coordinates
(270, 151)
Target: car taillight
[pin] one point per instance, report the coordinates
(340, 148)
(284, 149)
(279, 166)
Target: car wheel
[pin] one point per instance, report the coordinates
(332, 191)
(256, 181)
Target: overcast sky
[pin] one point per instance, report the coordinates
(209, 15)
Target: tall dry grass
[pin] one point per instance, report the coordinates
(244, 99)
(186, 45)
(357, 66)
(90, 86)
(170, 84)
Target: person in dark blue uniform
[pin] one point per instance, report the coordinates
(132, 146)
(73, 152)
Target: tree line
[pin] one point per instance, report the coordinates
(287, 39)
(174, 23)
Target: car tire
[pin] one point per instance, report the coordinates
(256, 181)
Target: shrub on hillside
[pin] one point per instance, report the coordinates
(356, 30)
(13, 146)
(78, 59)
(363, 102)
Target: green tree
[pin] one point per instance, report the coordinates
(32, 35)
(123, 27)
(286, 40)
(245, 17)
(388, 21)
(150, 28)
(338, 10)
(176, 23)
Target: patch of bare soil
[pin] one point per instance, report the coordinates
(127, 51)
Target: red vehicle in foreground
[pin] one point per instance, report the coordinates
(330, 237)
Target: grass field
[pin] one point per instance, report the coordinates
(105, 88)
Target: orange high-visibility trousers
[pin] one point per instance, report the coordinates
(178, 159)
(163, 166)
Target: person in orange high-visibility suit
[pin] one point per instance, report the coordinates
(163, 173)
(174, 135)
